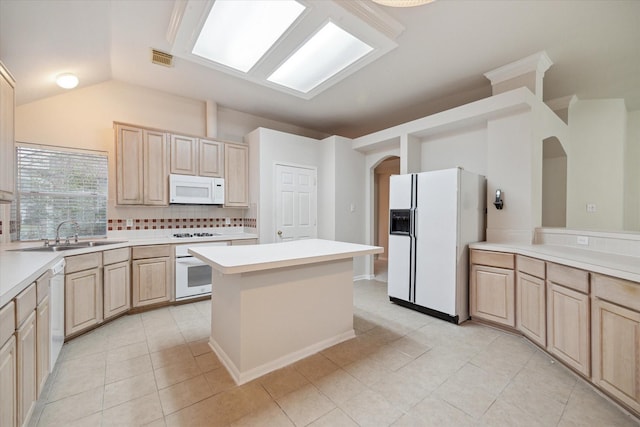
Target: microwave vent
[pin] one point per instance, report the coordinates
(161, 58)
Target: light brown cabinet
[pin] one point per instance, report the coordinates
(236, 166)
(7, 135)
(116, 282)
(152, 275)
(83, 292)
(141, 166)
(8, 366)
(492, 287)
(568, 325)
(615, 321)
(43, 330)
(211, 158)
(196, 156)
(26, 350)
(531, 316)
(184, 155)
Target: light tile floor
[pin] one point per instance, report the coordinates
(403, 369)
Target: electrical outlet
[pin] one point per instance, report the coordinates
(129, 222)
(583, 240)
(591, 207)
(227, 220)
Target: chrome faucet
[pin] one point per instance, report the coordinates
(77, 227)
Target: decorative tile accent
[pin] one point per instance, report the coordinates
(177, 223)
(0, 228)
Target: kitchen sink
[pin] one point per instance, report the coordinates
(69, 246)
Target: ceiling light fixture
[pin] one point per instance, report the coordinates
(67, 80)
(238, 33)
(402, 3)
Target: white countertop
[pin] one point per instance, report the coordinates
(246, 258)
(19, 269)
(621, 266)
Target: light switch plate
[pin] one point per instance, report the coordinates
(129, 222)
(227, 220)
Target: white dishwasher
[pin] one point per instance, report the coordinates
(57, 310)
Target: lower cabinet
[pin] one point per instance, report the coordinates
(615, 327)
(151, 275)
(27, 366)
(492, 287)
(531, 304)
(8, 383)
(8, 367)
(43, 338)
(116, 282)
(568, 325)
(82, 292)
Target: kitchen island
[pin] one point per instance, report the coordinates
(274, 304)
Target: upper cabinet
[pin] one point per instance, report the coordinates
(141, 166)
(236, 165)
(7, 136)
(195, 156)
(211, 158)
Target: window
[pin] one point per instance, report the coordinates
(55, 184)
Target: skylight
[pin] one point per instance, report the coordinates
(238, 33)
(328, 52)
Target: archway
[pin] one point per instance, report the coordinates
(382, 171)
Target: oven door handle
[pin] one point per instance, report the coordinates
(193, 261)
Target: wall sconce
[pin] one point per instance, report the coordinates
(498, 203)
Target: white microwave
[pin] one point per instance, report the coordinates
(195, 190)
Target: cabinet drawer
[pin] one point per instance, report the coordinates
(42, 286)
(7, 322)
(83, 262)
(114, 256)
(25, 304)
(617, 291)
(531, 266)
(154, 251)
(569, 277)
(492, 259)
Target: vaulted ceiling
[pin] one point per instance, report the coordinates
(439, 63)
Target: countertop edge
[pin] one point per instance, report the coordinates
(620, 266)
(46, 260)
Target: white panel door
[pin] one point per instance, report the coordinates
(296, 203)
(436, 228)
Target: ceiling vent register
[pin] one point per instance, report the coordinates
(161, 58)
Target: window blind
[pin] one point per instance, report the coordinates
(55, 185)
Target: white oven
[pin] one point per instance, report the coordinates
(193, 277)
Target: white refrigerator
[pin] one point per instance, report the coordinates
(433, 216)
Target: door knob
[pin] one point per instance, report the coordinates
(279, 233)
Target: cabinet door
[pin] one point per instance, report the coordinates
(43, 334)
(211, 158)
(568, 327)
(492, 294)
(7, 136)
(8, 384)
(151, 281)
(236, 166)
(616, 351)
(531, 315)
(129, 165)
(27, 362)
(156, 177)
(83, 300)
(117, 289)
(184, 155)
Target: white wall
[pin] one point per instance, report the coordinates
(595, 164)
(632, 173)
(268, 147)
(466, 148)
